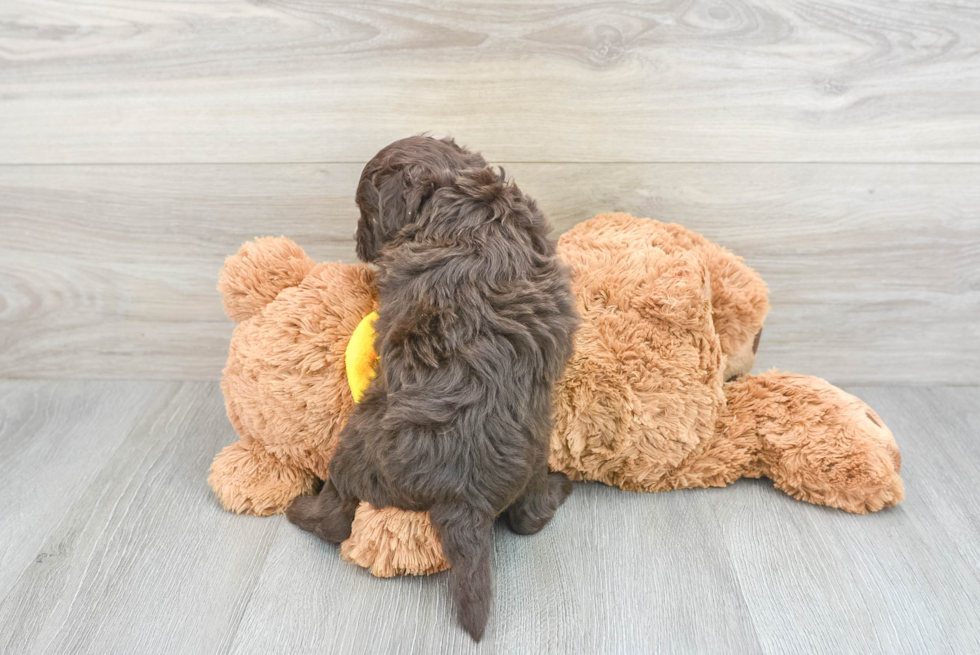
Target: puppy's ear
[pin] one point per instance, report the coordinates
(388, 199)
(392, 209)
(367, 233)
(402, 195)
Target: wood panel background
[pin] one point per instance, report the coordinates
(309, 80)
(835, 145)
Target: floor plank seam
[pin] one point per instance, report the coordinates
(256, 579)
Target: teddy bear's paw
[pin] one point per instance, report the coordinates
(394, 542)
(869, 496)
(249, 480)
(832, 448)
(873, 482)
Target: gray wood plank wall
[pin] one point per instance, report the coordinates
(834, 145)
(551, 80)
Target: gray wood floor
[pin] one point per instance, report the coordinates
(111, 542)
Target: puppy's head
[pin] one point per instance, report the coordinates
(396, 183)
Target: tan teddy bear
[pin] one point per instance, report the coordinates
(667, 318)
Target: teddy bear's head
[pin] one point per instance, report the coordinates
(644, 386)
(285, 383)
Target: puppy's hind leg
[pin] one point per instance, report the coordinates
(326, 515)
(539, 501)
(465, 535)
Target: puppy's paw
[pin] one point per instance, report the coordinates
(534, 509)
(559, 487)
(303, 512)
(323, 515)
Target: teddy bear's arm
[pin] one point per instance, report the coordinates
(814, 441)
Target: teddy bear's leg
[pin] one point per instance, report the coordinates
(539, 501)
(249, 480)
(392, 541)
(326, 515)
(816, 442)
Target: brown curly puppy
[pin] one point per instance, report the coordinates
(476, 318)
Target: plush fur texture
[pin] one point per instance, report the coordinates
(474, 327)
(285, 381)
(657, 345)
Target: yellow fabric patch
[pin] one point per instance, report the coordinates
(360, 358)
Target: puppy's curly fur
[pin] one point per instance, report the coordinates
(475, 326)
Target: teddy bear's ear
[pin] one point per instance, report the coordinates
(253, 277)
(675, 289)
(740, 303)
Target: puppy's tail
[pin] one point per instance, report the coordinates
(465, 535)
